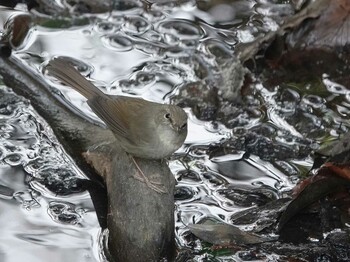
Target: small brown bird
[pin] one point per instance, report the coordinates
(144, 129)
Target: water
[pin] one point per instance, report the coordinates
(42, 210)
(172, 53)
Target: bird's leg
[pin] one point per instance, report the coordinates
(143, 178)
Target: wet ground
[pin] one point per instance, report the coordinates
(241, 151)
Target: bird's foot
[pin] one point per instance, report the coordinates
(156, 186)
(152, 185)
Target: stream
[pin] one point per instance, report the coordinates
(242, 151)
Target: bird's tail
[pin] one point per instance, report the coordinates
(66, 73)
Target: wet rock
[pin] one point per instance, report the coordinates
(59, 181)
(233, 75)
(304, 47)
(200, 97)
(261, 218)
(64, 213)
(339, 243)
(224, 234)
(330, 29)
(263, 147)
(16, 29)
(247, 197)
(5, 50)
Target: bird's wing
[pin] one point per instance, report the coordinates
(117, 112)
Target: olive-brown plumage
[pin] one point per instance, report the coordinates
(144, 129)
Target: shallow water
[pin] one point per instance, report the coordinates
(41, 211)
(158, 54)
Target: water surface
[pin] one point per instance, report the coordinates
(170, 53)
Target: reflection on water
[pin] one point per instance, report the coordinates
(37, 178)
(238, 155)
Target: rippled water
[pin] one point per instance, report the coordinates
(42, 212)
(171, 53)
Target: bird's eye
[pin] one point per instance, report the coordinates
(167, 115)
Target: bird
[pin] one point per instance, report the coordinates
(144, 129)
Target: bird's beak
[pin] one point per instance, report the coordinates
(182, 127)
